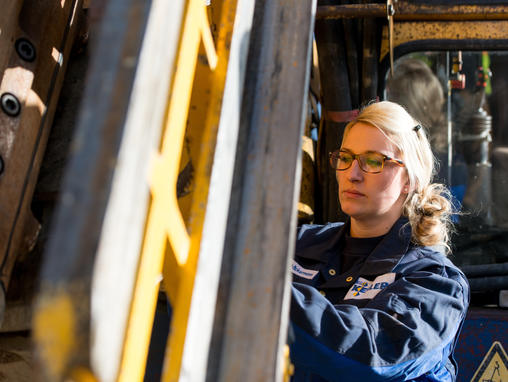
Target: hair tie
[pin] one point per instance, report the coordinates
(417, 127)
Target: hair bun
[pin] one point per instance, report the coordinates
(429, 214)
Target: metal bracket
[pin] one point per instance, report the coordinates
(390, 12)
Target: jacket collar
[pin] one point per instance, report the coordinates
(390, 250)
(325, 242)
(383, 259)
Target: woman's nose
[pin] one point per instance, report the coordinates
(355, 173)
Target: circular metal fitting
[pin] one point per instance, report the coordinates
(25, 49)
(10, 104)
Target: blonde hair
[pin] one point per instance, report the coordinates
(427, 205)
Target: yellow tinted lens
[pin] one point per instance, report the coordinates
(372, 162)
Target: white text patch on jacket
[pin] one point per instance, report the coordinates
(365, 289)
(298, 270)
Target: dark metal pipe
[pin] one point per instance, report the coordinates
(488, 283)
(406, 11)
(485, 270)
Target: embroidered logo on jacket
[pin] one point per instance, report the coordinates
(365, 289)
(298, 270)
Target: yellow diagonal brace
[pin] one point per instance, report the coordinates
(206, 34)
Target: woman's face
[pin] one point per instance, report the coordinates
(372, 198)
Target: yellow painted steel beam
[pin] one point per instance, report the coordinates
(202, 149)
(167, 234)
(405, 32)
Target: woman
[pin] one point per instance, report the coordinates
(375, 299)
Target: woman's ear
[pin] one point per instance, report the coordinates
(406, 188)
(407, 185)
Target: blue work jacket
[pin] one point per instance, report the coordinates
(395, 316)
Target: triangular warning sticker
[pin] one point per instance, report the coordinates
(494, 367)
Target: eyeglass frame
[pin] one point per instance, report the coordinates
(356, 157)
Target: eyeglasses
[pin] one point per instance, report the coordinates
(371, 162)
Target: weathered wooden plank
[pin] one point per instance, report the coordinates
(251, 324)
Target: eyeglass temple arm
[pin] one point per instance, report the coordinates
(397, 161)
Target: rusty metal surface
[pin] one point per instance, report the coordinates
(460, 31)
(35, 42)
(408, 11)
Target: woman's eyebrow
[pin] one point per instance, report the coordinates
(365, 152)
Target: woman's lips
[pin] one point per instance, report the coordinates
(353, 194)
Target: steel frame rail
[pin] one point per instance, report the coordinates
(404, 11)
